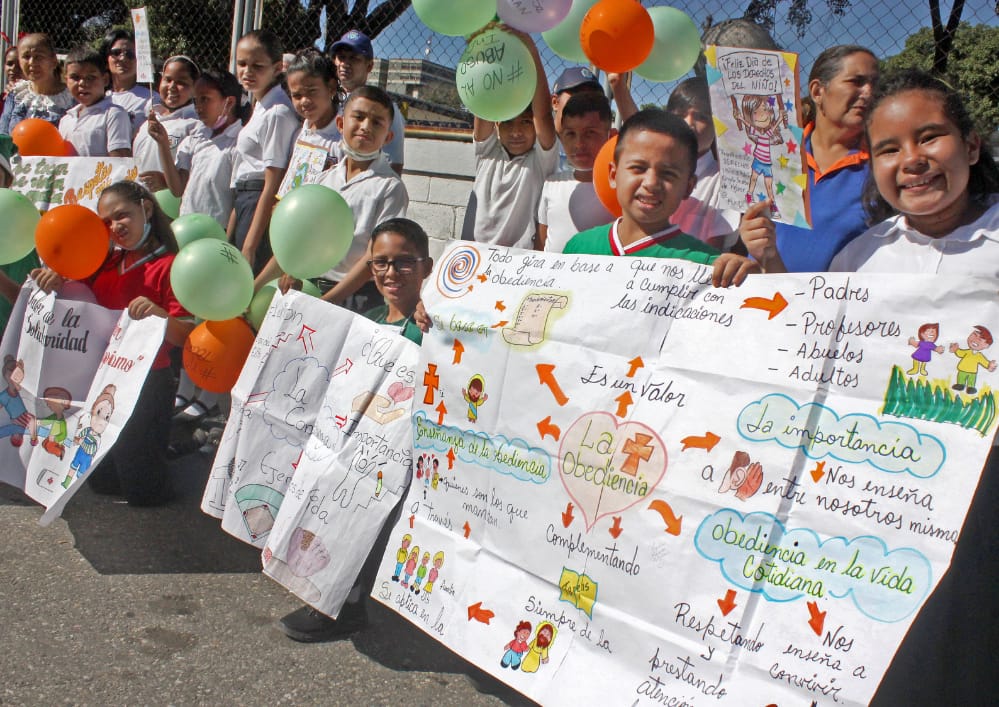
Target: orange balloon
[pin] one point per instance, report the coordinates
(601, 177)
(35, 137)
(617, 35)
(215, 352)
(72, 240)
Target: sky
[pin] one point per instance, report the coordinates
(878, 24)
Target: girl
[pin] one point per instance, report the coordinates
(175, 115)
(136, 277)
(42, 94)
(118, 49)
(263, 147)
(762, 129)
(11, 69)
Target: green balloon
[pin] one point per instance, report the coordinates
(676, 47)
(212, 280)
(192, 227)
(563, 38)
(17, 227)
(455, 18)
(168, 202)
(496, 77)
(311, 230)
(261, 301)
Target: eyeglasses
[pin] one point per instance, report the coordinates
(127, 53)
(403, 266)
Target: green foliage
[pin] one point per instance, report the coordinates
(919, 399)
(971, 67)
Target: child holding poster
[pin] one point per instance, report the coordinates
(95, 126)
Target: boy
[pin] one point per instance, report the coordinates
(652, 172)
(373, 191)
(512, 160)
(95, 127)
(569, 203)
(399, 261)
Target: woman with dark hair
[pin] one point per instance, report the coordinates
(42, 94)
(118, 49)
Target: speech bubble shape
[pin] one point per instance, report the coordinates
(607, 468)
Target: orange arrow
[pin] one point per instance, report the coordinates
(545, 427)
(411, 519)
(774, 306)
(459, 349)
(673, 523)
(624, 400)
(483, 277)
(706, 442)
(817, 618)
(635, 364)
(468, 529)
(818, 472)
(499, 305)
(728, 603)
(499, 324)
(475, 611)
(546, 375)
(567, 516)
(441, 411)
(615, 530)
(450, 459)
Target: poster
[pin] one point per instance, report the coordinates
(311, 161)
(317, 448)
(53, 181)
(143, 50)
(72, 371)
(757, 118)
(658, 492)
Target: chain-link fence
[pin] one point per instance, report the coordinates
(897, 32)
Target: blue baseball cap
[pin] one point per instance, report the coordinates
(574, 77)
(355, 41)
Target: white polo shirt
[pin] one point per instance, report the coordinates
(210, 163)
(568, 207)
(135, 101)
(97, 129)
(178, 125)
(374, 195)
(266, 139)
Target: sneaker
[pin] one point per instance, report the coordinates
(307, 625)
(192, 413)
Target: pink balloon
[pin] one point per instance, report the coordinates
(533, 15)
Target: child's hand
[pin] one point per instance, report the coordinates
(287, 282)
(47, 280)
(759, 234)
(732, 269)
(142, 307)
(156, 131)
(421, 318)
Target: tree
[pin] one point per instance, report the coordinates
(799, 16)
(970, 67)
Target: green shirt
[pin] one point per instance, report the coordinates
(672, 244)
(409, 328)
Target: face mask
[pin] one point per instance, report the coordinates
(146, 229)
(223, 116)
(358, 156)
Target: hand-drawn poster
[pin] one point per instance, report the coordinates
(658, 492)
(317, 449)
(72, 371)
(754, 102)
(53, 181)
(310, 161)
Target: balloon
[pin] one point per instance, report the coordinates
(212, 279)
(676, 47)
(72, 240)
(311, 230)
(192, 227)
(563, 38)
(214, 353)
(17, 227)
(601, 177)
(261, 301)
(70, 150)
(617, 35)
(35, 137)
(168, 202)
(533, 16)
(455, 18)
(496, 76)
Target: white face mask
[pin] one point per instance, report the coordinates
(358, 156)
(146, 230)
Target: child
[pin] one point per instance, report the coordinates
(175, 115)
(399, 259)
(95, 127)
(88, 439)
(652, 172)
(972, 358)
(925, 346)
(569, 203)
(136, 276)
(513, 158)
(763, 130)
(263, 147)
(698, 214)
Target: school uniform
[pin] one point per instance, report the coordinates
(96, 130)
(568, 207)
(135, 101)
(668, 243)
(178, 125)
(209, 162)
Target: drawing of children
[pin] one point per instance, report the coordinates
(419, 467)
(21, 420)
(400, 556)
(410, 570)
(54, 426)
(537, 655)
(437, 474)
(516, 648)
(925, 346)
(434, 572)
(89, 438)
(474, 396)
(972, 358)
(421, 573)
(762, 129)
